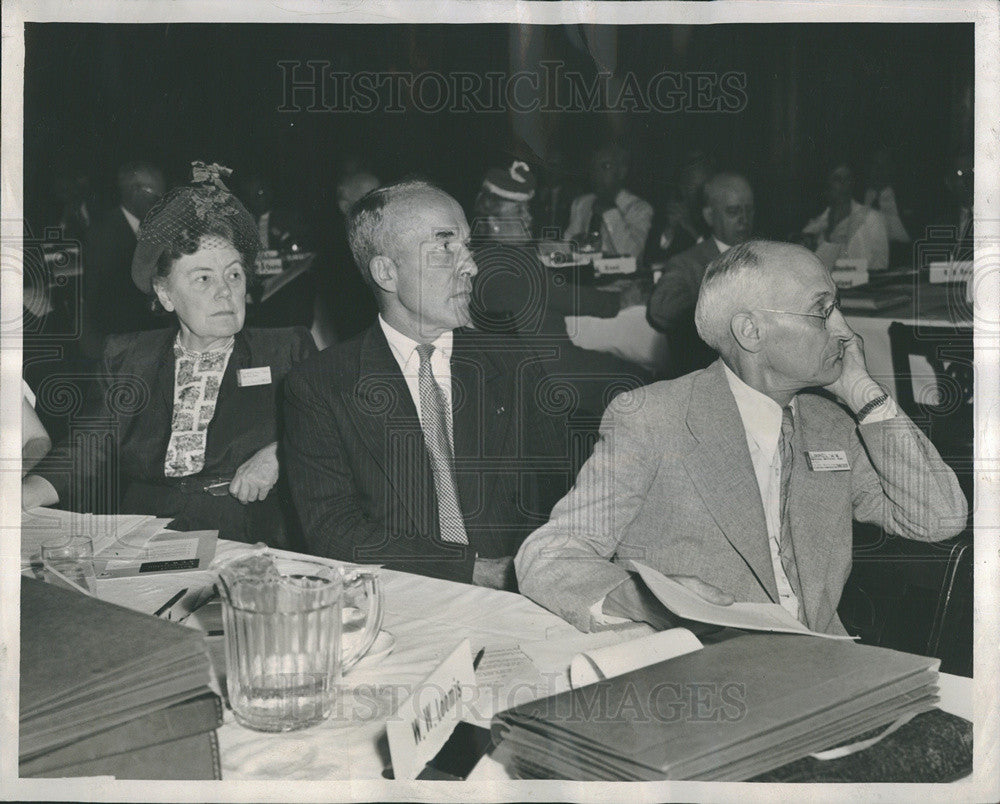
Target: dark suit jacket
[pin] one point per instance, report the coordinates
(671, 307)
(360, 475)
(134, 399)
(112, 302)
(514, 292)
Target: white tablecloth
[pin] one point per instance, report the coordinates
(428, 618)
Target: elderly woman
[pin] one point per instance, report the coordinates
(194, 407)
(514, 292)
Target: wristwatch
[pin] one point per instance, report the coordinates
(862, 414)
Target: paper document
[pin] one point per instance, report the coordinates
(506, 677)
(751, 616)
(39, 525)
(500, 664)
(616, 660)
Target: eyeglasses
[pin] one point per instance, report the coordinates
(825, 315)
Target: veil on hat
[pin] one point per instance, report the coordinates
(187, 213)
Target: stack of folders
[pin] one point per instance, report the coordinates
(729, 711)
(107, 691)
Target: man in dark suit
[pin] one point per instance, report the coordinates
(415, 445)
(729, 213)
(112, 303)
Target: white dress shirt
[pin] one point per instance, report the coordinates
(761, 417)
(861, 235)
(132, 220)
(722, 247)
(264, 230)
(404, 350)
(625, 225)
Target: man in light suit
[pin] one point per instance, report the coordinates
(414, 444)
(735, 479)
(729, 213)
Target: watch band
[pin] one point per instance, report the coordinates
(862, 414)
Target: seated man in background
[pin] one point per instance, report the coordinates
(717, 479)
(111, 302)
(413, 445)
(513, 292)
(678, 222)
(847, 229)
(728, 212)
(610, 218)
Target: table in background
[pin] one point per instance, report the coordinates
(928, 305)
(629, 335)
(428, 618)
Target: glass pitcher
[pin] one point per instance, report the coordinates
(283, 622)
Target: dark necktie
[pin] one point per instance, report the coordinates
(786, 550)
(435, 427)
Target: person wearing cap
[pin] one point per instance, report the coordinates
(515, 292)
(193, 406)
(616, 219)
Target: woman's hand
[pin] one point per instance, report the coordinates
(257, 476)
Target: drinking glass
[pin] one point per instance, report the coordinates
(72, 557)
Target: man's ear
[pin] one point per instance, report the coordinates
(746, 331)
(706, 214)
(383, 272)
(163, 296)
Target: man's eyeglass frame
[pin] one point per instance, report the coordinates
(824, 316)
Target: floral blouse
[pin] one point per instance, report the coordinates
(197, 378)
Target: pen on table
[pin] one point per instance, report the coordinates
(479, 658)
(170, 602)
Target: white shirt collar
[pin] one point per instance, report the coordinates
(403, 346)
(722, 247)
(133, 221)
(761, 415)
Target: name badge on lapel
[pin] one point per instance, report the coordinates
(829, 461)
(259, 375)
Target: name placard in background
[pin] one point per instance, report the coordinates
(425, 720)
(957, 271)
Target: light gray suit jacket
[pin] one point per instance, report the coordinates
(671, 484)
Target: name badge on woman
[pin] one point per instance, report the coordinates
(259, 375)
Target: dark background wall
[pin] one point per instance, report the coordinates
(98, 95)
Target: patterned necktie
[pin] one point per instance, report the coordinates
(435, 426)
(786, 550)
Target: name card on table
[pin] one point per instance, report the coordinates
(850, 272)
(953, 271)
(425, 720)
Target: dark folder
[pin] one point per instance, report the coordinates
(729, 711)
(197, 715)
(88, 666)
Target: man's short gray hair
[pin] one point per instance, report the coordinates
(733, 283)
(367, 232)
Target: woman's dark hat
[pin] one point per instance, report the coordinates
(196, 209)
